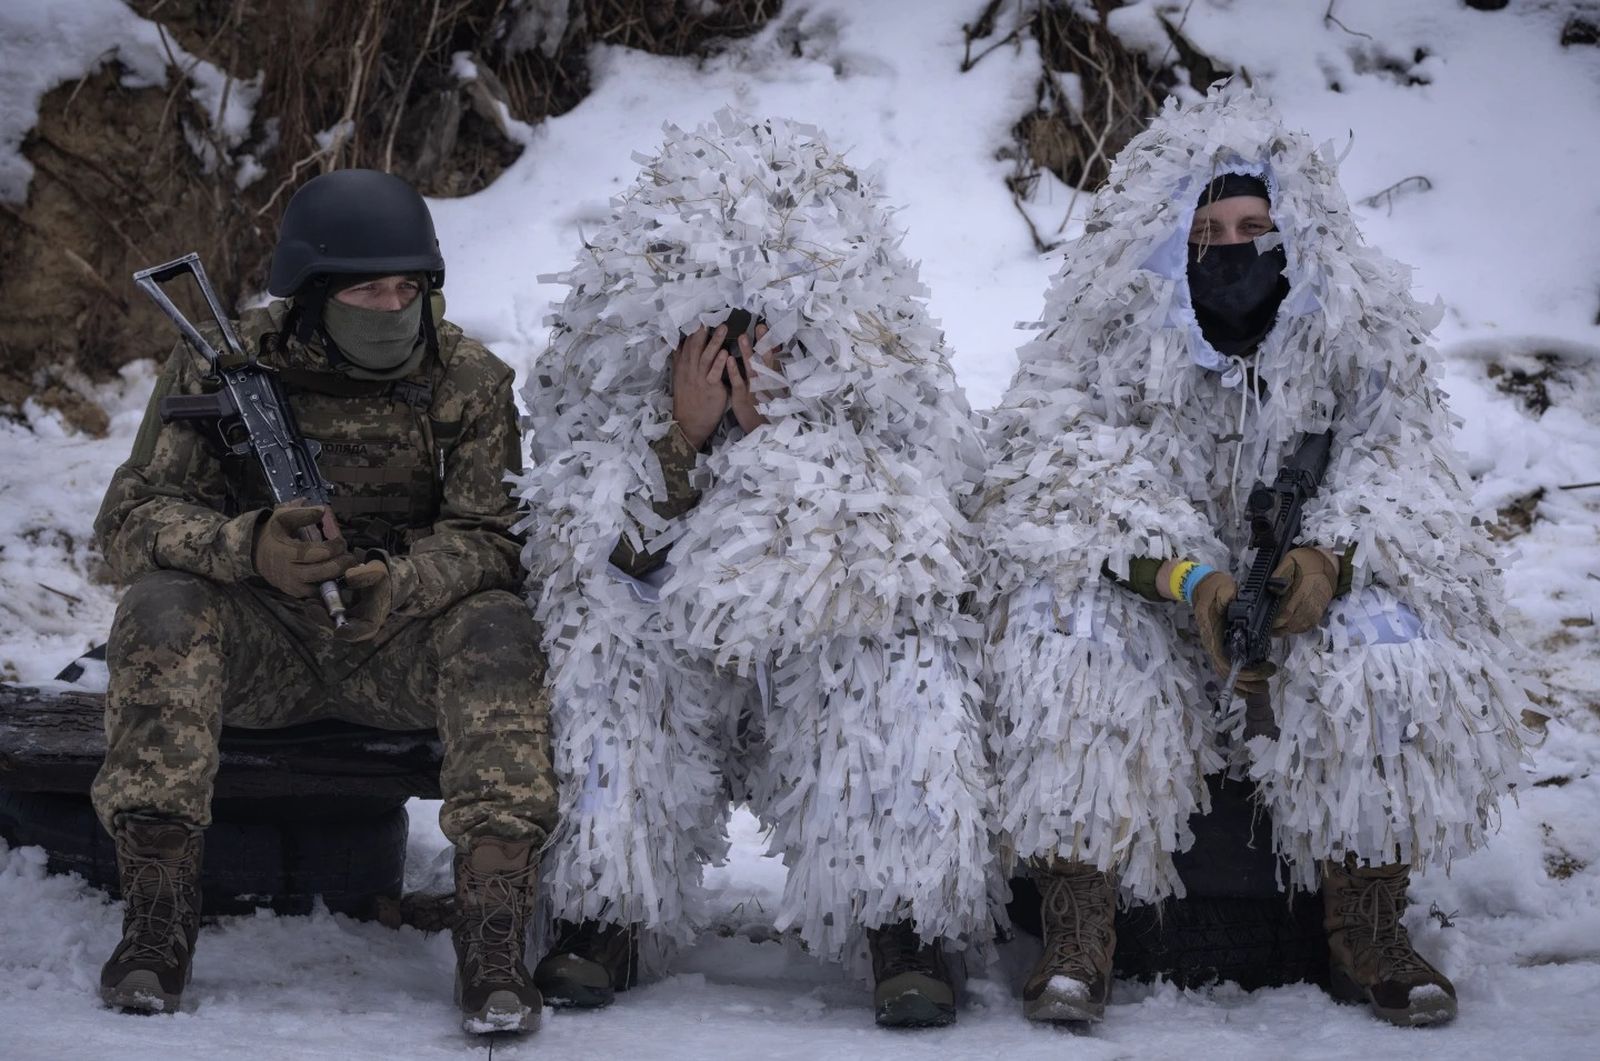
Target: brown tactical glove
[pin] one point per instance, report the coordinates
(1313, 578)
(287, 560)
(374, 597)
(1211, 599)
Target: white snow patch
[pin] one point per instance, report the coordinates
(1504, 133)
(45, 43)
(1066, 987)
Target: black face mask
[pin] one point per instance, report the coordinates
(1236, 291)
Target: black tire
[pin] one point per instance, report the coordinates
(1204, 939)
(251, 860)
(1201, 939)
(1232, 851)
(1234, 924)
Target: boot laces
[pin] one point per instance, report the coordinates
(159, 907)
(492, 927)
(899, 949)
(1078, 915)
(1380, 901)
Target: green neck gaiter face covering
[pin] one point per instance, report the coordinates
(379, 344)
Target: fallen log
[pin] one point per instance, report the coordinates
(54, 741)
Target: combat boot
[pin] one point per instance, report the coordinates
(1078, 909)
(1370, 955)
(496, 881)
(590, 962)
(911, 983)
(158, 864)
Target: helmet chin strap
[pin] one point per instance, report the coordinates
(305, 321)
(430, 332)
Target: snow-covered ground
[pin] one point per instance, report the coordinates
(1505, 131)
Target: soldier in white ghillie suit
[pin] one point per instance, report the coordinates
(1219, 309)
(751, 586)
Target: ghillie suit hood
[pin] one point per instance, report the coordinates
(834, 531)
(1124, 433)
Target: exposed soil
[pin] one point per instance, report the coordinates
(1531, 386)
(118, 187)
(1075, 132)
(1516, 517)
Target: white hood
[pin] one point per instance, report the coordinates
(1120, 424)
(844, 518)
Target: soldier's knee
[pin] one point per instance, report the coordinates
(492, 628)
(167, 608)
(1373, 616)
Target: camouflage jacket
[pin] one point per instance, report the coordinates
(417, 466)
(677, 459)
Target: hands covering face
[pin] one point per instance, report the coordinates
(743, 402)
(700, 398)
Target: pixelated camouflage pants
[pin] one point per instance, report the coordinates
(188, 654)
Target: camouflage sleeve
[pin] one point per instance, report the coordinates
(1142, 571)
(677, 457)
(471, 548)
(165, 505)
(1347, 571)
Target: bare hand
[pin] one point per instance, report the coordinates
(699, 398)
(743, 401)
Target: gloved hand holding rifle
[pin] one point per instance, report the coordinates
(1286, 590)
(298, 551)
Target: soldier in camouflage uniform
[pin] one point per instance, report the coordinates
(222, 622)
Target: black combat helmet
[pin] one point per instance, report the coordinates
(354, 222)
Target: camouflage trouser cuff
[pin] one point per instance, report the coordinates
(121, 819)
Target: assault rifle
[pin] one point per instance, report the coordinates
(1274, 513)
(249, 411)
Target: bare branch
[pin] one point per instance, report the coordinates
(1038, 242)
(405, 88)
(1387, 196)
(1329, 19)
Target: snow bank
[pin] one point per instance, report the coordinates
(1504, 130)
(45, 43)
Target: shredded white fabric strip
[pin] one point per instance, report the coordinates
(814, 594)
(1120, 436)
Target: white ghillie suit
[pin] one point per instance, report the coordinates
(813, 592)
(1118, 438)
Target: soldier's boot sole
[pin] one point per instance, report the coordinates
(1064, 1001)
(1426, 1005)
(140, 992)
(569, 982)
(501, 1012)
(910, 1005)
